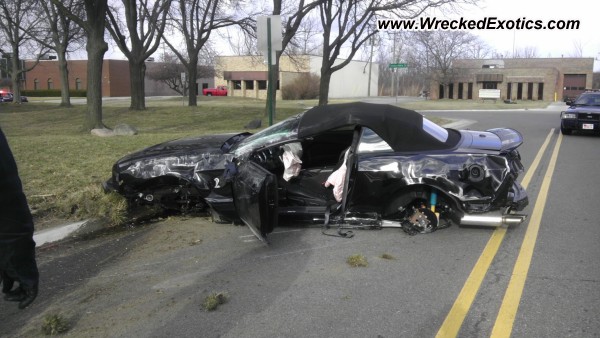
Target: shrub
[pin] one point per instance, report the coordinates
(304, 87)
(52, 93)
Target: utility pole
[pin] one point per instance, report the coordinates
(393, 70)
(370, 65)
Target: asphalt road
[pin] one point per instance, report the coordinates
(152, 280)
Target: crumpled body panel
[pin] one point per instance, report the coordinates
(482, 179)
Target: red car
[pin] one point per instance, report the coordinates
(219, 91)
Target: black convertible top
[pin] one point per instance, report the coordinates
(401, 128)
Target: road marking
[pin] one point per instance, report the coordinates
(512, 297)
(465, 298)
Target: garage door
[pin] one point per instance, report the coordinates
(574, 84)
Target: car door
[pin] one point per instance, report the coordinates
(255, 198)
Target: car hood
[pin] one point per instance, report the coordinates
(181, 157)
(584, 109)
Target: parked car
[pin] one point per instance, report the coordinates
(219, 91)
(583, 114)
(354, 165)
(9, 97)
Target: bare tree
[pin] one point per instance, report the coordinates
(347, 25)
(527, 52)
(442, 48)
(145, 26)
(577, 49)
(20, 22)
(168, 71)
(94, 25)
(63, 33)
(196, 20)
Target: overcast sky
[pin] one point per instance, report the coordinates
(547, 43)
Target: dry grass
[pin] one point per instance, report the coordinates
(214, 300)
(54, 324)
(357, 261)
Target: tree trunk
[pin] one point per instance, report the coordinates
(96, 47)
(15, 76)
(324, 85)
(192, 73)
(137, 72)
(65, 96)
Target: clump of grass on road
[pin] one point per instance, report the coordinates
(387, 256)
(54, 324)
(213, 301)
(357, 261)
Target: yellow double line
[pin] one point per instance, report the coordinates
(512, 297)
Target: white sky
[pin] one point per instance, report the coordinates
(548, 43)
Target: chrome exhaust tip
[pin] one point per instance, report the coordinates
(492, 220)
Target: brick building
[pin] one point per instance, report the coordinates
(115, 78)
(46, 75)
(545, 79)
(246, 76)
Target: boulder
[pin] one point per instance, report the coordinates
(125, 129)
(102, 132)
(254, 124)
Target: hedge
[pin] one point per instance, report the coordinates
(52, 93)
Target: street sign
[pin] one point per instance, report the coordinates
(398, 65)
(263, 33)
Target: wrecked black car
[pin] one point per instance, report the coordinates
(354, 165)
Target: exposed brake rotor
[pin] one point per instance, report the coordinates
(422, 220)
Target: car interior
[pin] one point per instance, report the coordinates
(320, 156)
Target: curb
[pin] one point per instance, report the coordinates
(69, 230)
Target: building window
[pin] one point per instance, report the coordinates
(451, 90)
(490, 85)
(470, 91)
(509, 91)
(50, 84)
(262, 84)
(249, 84)
(36, 84)
(520, 91)
(530, 91)
(77, 84)
(541, 91)
(237, 84)
(460, 91)
(441, 96)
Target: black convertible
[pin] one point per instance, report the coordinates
(354, 165)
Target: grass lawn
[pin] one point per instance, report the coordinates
(62, 166)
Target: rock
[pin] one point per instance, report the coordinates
(254, 124)
(125, 129)
(102, 132)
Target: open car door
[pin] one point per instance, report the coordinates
(255, 198)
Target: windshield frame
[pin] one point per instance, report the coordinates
(280, 132)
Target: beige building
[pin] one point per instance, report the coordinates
(246, 76)
(546, 79)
